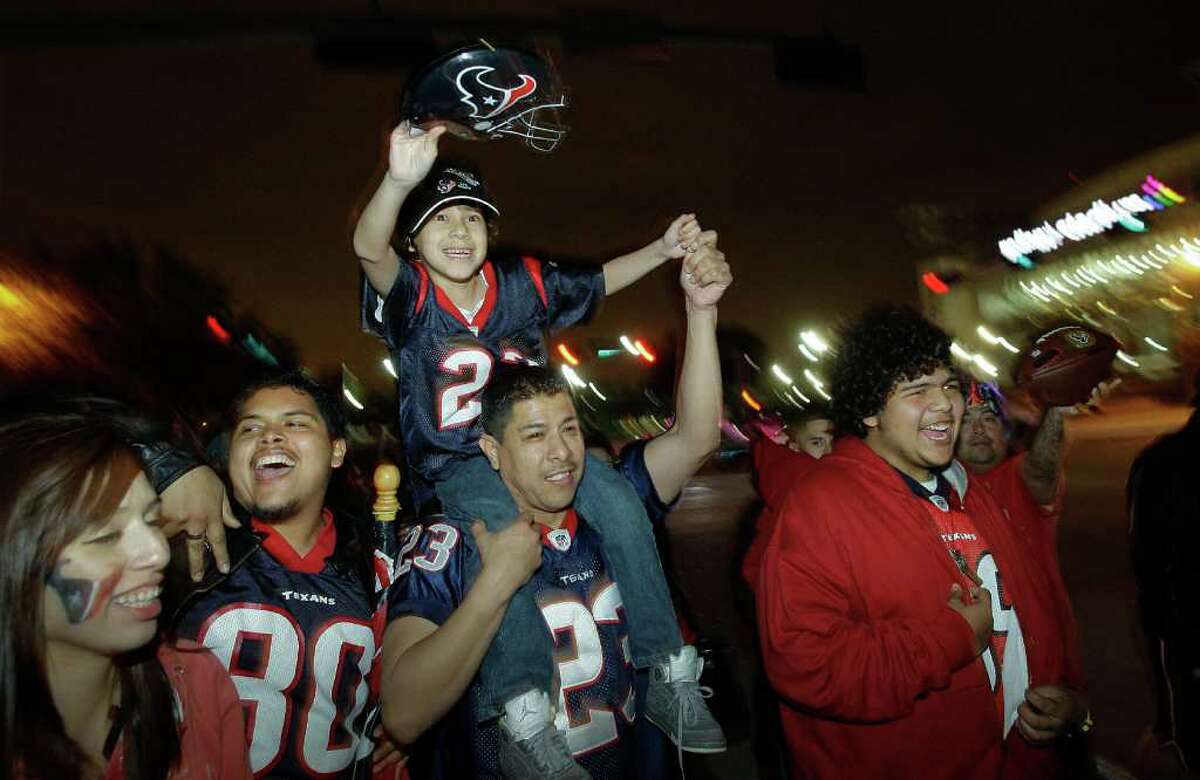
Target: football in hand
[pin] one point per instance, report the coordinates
(1066, 363)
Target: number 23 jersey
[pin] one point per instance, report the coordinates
(585, 616)
(444, 359)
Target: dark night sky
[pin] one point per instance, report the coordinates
(238, 149)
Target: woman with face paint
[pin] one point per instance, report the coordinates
(87, 687)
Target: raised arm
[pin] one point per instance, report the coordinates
(409, 159)
(426, 667)
(1043, 464)
(675, 456)
(620, 272)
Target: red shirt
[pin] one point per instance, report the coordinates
(1007, 483)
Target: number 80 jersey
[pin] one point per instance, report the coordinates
(584, 616)
(445, 359)
(300, 640)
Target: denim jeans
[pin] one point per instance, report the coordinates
(521, 656)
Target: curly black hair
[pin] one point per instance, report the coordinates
(886, 346)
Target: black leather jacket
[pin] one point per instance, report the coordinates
(163, 463)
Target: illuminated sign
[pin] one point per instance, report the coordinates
(1100, 217)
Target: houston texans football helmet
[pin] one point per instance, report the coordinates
(484, 92)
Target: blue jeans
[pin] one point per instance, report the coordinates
(521, 656)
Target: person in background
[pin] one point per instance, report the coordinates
(1030, 480)
(90, 689)
(777, 467)
(1163, 499)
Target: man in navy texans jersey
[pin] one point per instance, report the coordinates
(448, 608)
(450, 317)
(296, 620)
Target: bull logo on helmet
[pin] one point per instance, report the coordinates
(495, 100)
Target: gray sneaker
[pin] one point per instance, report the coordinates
(544, 756)
(675, 703)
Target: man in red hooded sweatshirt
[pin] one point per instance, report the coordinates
(909, 627)
(776, 468)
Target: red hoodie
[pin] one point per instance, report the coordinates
(877, 675)
(777, 467)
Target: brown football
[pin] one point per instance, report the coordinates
(1066, 363)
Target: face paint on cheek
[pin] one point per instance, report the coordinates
(82, 599)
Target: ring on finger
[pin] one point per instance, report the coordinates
(195, 537)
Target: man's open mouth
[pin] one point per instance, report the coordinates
(272, 465)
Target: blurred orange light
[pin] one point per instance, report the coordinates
(566, 355)
(42, 323)
(751, 401)
(8, 299)
(644, 351)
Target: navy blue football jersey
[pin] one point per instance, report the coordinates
(444, 360)
(586, 617)
(631, 464)
(300, 637)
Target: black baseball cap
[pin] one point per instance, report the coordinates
(446, 184)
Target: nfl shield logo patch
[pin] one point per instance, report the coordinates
(560, 539)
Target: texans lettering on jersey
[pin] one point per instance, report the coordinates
(445, 360)
(584, 614)
(300, 646)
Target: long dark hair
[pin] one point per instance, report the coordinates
(60, 474)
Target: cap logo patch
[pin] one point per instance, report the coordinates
(466, 178)
(446, 185)
(560, 539)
